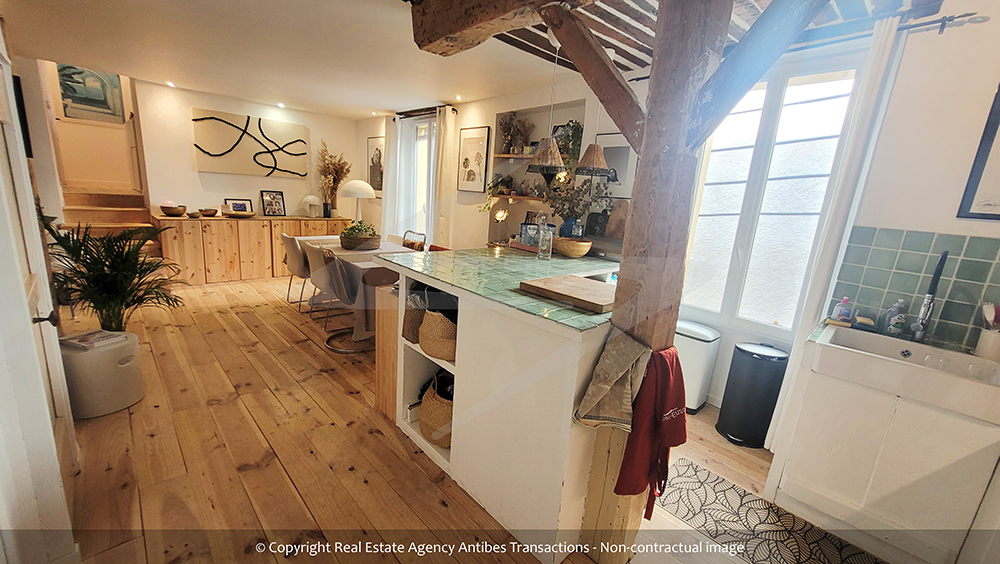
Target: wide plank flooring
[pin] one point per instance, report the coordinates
(251, 431)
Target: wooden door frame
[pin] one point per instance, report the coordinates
(34, 514)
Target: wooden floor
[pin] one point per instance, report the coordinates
(745, 467)
(251, 431)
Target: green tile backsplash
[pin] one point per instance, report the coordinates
(884, 265)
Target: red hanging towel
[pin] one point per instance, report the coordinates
(658, 423)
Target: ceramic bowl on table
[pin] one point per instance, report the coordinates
(239, 214)
(173, 211)
(570, 247)
(194, 214)
(208, 212)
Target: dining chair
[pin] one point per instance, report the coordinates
(394, 239)
(295, 261)
(414, 240)
(319, 276)
(346, 282)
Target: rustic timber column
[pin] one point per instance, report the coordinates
(690, 35)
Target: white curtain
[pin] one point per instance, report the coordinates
(864, 122)
(390, 176)
(445, 175)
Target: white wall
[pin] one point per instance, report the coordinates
(933, 125)
(168, 140)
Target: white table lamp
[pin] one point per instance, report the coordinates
(357, 189)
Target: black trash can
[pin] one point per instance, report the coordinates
(752, 389)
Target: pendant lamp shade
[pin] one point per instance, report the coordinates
(547, 160)
(592, 163)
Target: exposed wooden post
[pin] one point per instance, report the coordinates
(690, 37)
(599, 71)
(768, 37)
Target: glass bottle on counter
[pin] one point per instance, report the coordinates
(545, 236)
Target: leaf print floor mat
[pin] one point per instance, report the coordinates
(728, 514)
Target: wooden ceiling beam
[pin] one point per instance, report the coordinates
(600, 27)
(773, 32)
(514, 41)
(446, 27)
(598, 70)
(541, 43)
(647, 7)
(640, 35)
(632, 59)
(632, 12)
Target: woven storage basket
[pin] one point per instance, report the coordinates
(438, 335)
(435, 417)
(413, 318)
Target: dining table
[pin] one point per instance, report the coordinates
(357, 279)
(332, 242)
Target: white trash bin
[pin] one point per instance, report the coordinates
(697, 347)
(104, 379)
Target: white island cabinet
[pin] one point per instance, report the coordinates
(522, 364)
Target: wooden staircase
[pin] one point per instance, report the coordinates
(107, 213)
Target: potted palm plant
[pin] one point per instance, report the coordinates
(112, 276)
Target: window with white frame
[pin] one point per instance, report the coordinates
(765, 175)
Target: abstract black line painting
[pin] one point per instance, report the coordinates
(243, 144)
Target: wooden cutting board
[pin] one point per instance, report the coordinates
(584, 293)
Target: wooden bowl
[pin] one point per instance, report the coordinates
(570, 247)
(208, 212)
(238, 214)
(175, 211)
(361, 243)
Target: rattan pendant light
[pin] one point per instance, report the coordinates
(547, 160)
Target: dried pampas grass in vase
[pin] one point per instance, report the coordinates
(332, 173)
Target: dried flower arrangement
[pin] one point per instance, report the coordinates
(522, 134)
(505, 125)
(570, 200)
(332, 172)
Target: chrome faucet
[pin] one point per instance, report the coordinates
(927, 308)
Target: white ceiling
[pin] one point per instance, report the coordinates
(338, 57)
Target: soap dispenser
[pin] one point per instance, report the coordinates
(842, 311)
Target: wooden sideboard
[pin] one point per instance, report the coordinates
(222, 249)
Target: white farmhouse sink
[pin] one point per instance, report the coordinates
(954, 381)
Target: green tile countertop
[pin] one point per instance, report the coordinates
(496, 274)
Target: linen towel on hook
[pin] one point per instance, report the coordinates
(616, 381)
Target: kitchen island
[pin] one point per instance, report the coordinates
(522, 364)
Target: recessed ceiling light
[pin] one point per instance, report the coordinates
(374, 114)
(170, 84)
(458, 97)
(280, 105)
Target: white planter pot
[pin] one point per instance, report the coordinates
(104, 379)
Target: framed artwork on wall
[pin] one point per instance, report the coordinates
(376, 162)
(90, 95)
(239, 204)
(982, 191)
(272, 202)
(473, 152)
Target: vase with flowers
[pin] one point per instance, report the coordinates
(332, 173)
(572, 201)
